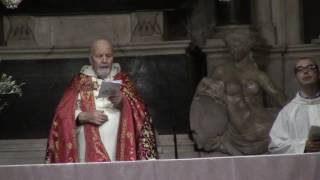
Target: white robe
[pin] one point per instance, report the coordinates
(290, 130)
(109, 130)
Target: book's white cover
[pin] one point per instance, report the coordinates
(109, 88)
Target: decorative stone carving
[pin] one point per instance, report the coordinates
(20, 31)
(208, 117)
(238, 122)
(147, 26)
(68, 30)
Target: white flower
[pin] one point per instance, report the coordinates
(11, 4)
(8, 86)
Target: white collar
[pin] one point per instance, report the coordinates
(301, 100)
(302, 94)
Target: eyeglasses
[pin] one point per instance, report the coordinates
(311, 67)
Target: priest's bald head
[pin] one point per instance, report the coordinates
(101, 57)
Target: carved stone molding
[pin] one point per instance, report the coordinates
(132, 49)
(20, 32)
(146, 26)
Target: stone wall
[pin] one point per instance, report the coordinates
(81, 30)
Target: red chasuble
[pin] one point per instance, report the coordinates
(136, 138)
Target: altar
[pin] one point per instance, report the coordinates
(264, 167)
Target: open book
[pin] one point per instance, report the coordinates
(109, 88)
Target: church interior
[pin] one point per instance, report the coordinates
(167, 48)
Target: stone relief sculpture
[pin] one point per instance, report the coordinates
(20, 31)
(228, 113)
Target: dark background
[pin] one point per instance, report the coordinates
(166, 83)
(90, 6)
(310, 17)
(175, 11)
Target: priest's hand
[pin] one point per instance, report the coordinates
(95, 117)
(116, 101)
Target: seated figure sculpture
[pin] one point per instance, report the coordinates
(236, 112)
